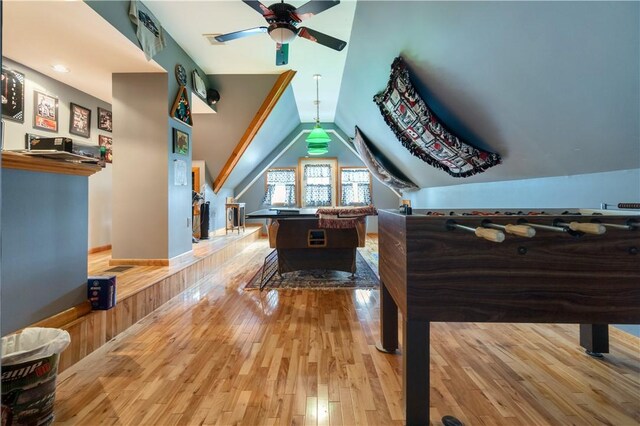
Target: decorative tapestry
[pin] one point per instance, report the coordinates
(422, 133)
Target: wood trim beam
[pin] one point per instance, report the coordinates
(258, 120)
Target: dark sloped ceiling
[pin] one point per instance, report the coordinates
(554, 87)
(282, 120)
(215, 136)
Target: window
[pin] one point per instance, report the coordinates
(355, 186)
(281, 187)
(318, 182)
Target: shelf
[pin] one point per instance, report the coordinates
(17, 161)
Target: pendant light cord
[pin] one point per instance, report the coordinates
(317, 101)
(317, 77)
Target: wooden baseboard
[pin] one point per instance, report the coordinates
(180, 258)
(140, 262)
(65, 317)
(99, 249)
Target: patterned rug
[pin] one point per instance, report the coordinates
(319, 279)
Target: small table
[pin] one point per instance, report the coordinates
(235, 217)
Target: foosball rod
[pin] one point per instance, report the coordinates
(629, 226)
(566, 227)
(587, 228)
(486, 233)
(519, 230)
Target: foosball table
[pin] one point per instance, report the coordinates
(552, 266)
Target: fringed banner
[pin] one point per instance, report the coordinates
(376, 166)
(421, 132)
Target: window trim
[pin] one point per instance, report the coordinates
(340, 183)
(295, 181)
(333, 162)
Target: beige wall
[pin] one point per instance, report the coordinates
(140, 172)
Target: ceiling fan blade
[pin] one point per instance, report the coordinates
(239, 34)
(282, 54)
(258, 7)
(321, 38)
(311, 8)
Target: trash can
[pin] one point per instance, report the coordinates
(29, 371)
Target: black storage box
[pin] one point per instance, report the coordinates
(102, 292)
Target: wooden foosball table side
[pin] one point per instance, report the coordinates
(434, 271)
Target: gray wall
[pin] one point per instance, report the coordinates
(278, 125)
(140, 167)
(551, 86)
(44, 246)
(99, 183)
(383, 197)
(215, 136)
(578, 191)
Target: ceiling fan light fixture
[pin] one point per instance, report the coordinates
(282, 33)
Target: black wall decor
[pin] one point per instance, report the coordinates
(12, 95)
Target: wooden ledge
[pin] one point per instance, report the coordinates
(17, 161)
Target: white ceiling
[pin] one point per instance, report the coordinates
(41, 34)
(188, 21)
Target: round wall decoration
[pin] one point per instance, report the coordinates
(181, 75)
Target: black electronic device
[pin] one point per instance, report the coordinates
(204, 221)
(213, 96)
(56, 144)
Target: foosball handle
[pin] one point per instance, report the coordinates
(588, 228)
(490, 234)
(520, 230)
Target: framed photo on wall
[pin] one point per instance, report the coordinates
(79, 120)
(12, 95)
(105, 120)
(180, 142)
(45, 111)
(105, 143)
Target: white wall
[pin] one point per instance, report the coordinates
(100, 205)
(140, 168)
(100, 183)
(580, 191)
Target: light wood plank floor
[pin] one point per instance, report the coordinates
(137, 278)
(220, 355)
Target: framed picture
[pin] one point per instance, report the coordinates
(12, 95)
(181, 109)
(105, 120)
(199, 88)
(180, 142)
(79, 120)
(45, 111)
(105, 141)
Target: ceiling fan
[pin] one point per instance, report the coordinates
(283, 20)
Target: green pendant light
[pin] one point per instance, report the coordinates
(318, 140)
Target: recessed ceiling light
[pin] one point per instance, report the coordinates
(60, 68)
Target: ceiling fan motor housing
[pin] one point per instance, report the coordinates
(283, 13)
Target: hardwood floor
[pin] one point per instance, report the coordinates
(220, 355)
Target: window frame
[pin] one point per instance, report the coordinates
(340, 183)
(295, 182)
(333, 162)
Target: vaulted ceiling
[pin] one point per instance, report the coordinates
(554, 87)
